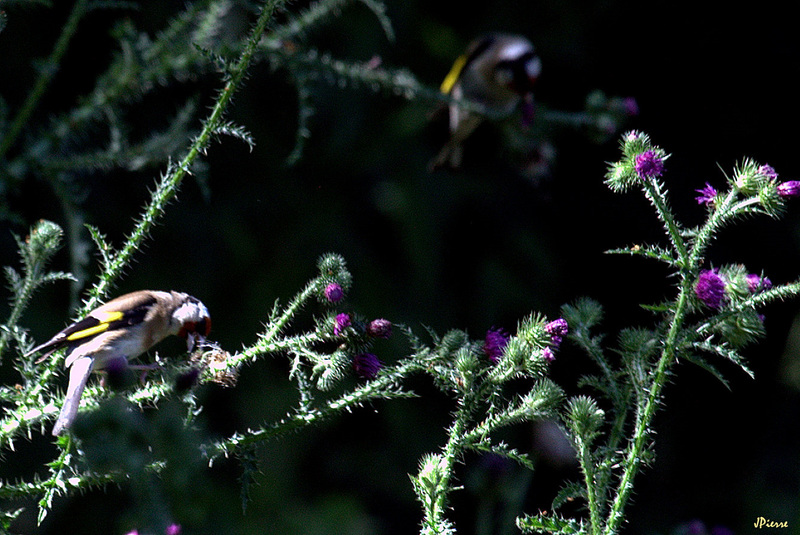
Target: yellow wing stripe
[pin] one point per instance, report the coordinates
(452, 76)
(105, 318)
(91, 331)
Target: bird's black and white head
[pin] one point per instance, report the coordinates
(517, 64)
(192, 320)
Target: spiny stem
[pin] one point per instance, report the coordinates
(633, 460)
(452, 450)
(657, 198)
(641, 435)
(168, 187)
(717, 218)
(592, 490)
(377, 388)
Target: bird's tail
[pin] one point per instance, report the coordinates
(78, 375)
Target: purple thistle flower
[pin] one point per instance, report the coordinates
(557, 329)
(756, 283)
(548, 354)
(173, 529)
(768, 171)
(649, 164)
(707, 195)
(789, 189)
(334, 292)
(710, 288)
(342, 323)
(366, 365)
(494, 344)
(380, 328)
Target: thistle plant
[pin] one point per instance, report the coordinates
(149, 436)
(714, 315)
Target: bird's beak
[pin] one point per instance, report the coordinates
(193, 340)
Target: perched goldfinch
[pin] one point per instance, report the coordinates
(498, 72)
(123, 328)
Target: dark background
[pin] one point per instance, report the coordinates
(472, 249)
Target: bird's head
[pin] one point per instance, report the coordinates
(193, 320)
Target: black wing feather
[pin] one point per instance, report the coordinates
(130, 317)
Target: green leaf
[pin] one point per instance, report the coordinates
(724, 351)
(700, 361)
(649, 251)
(554, 524)
(236, 131)
(585, 313)
(568, 493)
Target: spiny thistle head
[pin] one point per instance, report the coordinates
(557, 329)
(44, 239)
(367, 365)
(331, 369)
(334, 275)
(649, 164)
(741, 284)
(341, 323)
(495, 344)
(756, 283)
(707, 195)
(334, 292)
(745, 324)
(761, 181)
(750, 177)
(379, 328)
(641, 160)
(789, 189)
(710, 288)
(528, 352)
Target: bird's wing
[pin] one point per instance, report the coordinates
(121, 312)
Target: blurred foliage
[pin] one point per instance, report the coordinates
(476, 248)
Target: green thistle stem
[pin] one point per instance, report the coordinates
(633, 460)
(641, 435)
(168, 187)
(653, 192)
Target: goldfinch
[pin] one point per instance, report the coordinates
(497, 71)
(123, 328)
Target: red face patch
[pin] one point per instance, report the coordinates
(202, 327)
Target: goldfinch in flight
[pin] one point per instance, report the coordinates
(124, 327)
(497, 71)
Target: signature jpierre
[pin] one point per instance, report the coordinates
(762, 522)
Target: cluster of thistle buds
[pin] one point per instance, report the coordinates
(644, 161)
(535, 343)
(365, 364)
(716, 286)
(752, 189)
